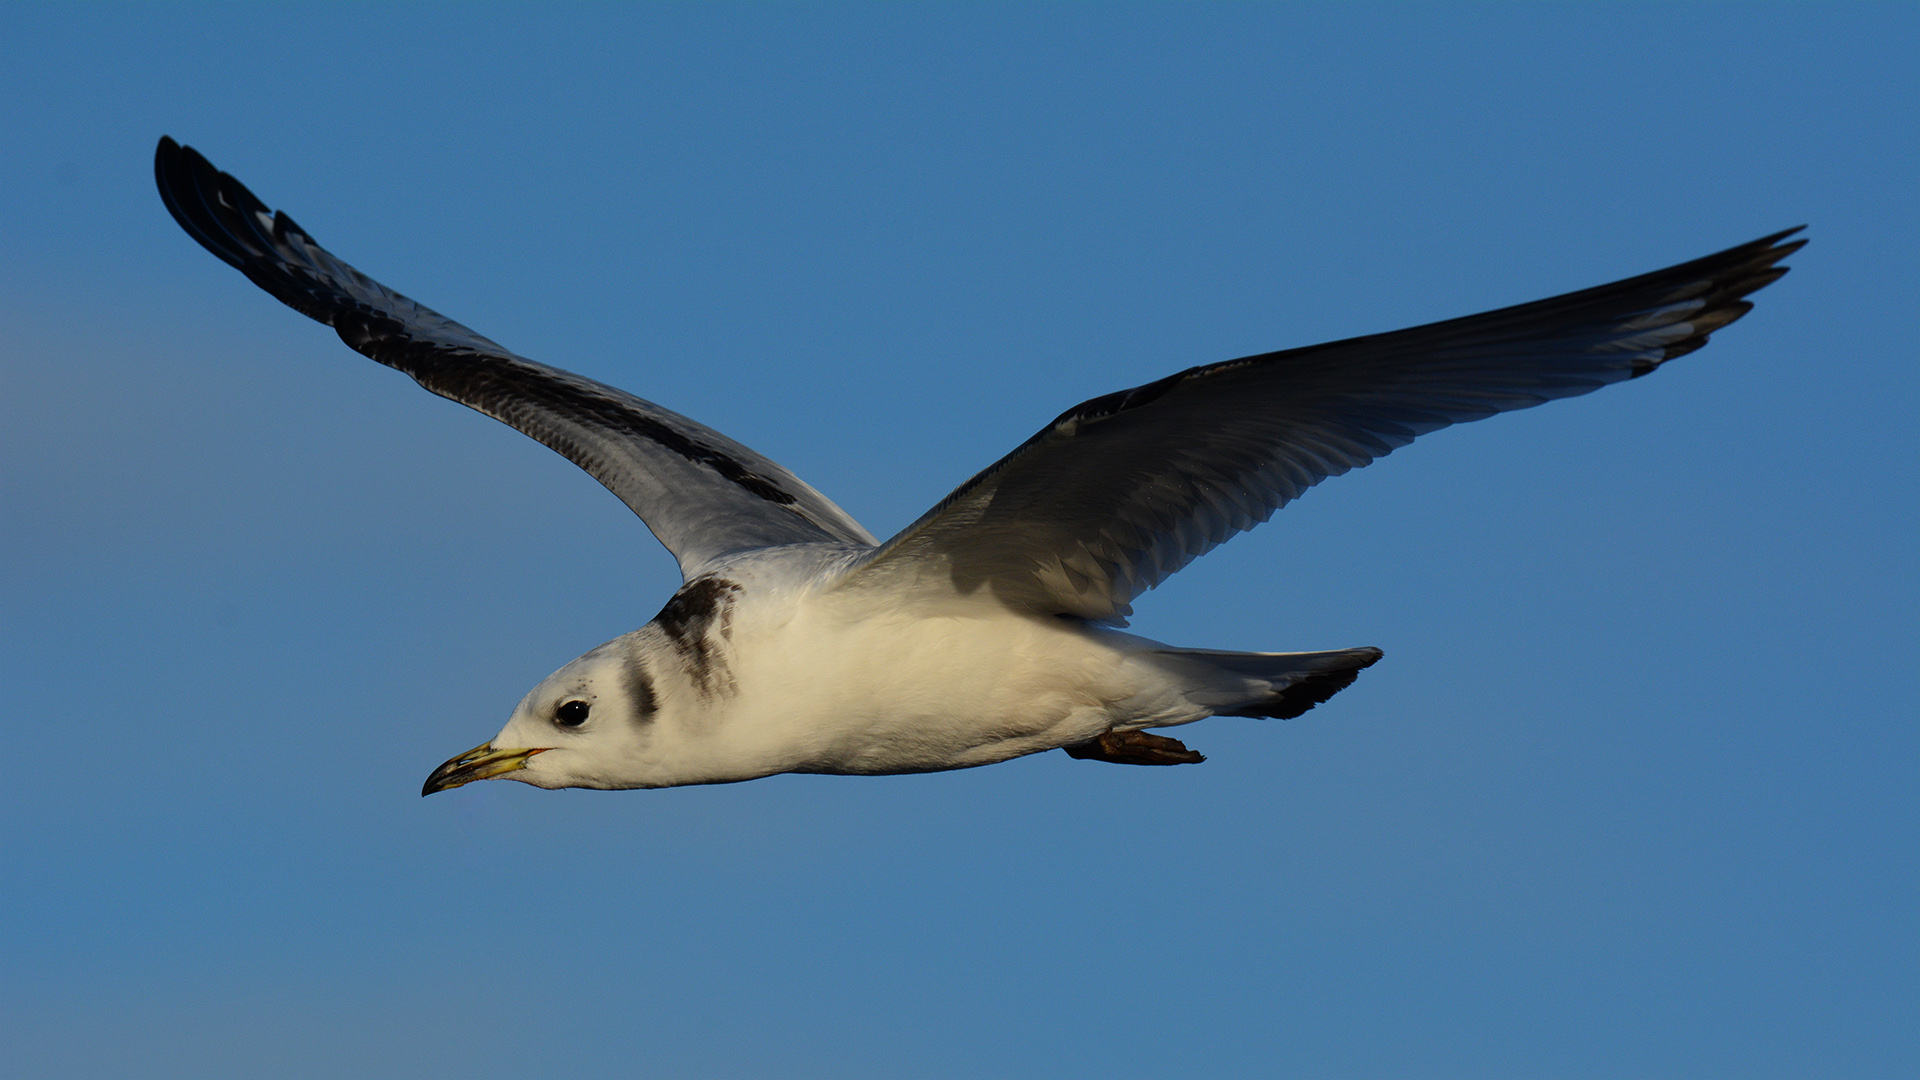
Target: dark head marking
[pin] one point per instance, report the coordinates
(639, 690)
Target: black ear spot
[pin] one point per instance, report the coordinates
(571, 713)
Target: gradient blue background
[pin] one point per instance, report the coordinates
(1633, 793)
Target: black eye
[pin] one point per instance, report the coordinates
(571, 714)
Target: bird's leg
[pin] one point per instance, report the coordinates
(1135, 748)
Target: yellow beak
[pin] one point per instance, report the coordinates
(482, 762)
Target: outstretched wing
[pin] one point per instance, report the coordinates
(1123, 490)
(701, 493)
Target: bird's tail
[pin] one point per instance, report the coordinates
(1276, 685)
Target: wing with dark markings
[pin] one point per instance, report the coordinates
(1121, 491)
(701, 493)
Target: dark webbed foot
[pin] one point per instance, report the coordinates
(1135, 748)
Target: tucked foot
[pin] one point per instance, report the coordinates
(1135, 748)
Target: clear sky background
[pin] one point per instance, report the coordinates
(1632, 794)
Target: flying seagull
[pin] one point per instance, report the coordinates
(989, 628)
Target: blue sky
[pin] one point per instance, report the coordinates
(1632, 794)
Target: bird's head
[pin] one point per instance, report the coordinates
(593, 723)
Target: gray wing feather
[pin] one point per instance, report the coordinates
(1124, 490)
(701, 493)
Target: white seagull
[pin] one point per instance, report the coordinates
(989, 628)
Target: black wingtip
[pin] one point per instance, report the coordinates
(193, 191)
(1726, 279)
(227, 219)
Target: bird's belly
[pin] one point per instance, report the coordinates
(894, 694)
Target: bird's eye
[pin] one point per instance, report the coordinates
(571, 714)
